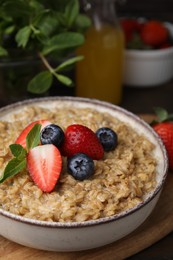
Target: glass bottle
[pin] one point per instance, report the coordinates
(99, 75)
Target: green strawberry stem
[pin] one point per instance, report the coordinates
(162, 116)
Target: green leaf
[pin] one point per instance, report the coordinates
(10, 29)
(17, 8)
(63, 41)
(33, 137)
(69, 62)
(61, 20)
(71, 12)
(3, 52)
(40, 83)
(83, 21)
(38, 7)
(47, 24)
(18, 151)
(23, 35)
(63, 79)
(161, 113)
(13, 167)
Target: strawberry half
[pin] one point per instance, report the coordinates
(44, 164)
(22, 137)
(81, 139)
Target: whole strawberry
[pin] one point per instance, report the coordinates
(154, 33)
(81, 139)
(164, 128)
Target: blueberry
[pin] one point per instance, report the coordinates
(52, 134)
(108, 138)
(80, 166)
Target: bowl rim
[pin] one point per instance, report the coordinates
(148, 53)
(99, 221)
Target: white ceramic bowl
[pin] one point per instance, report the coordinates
(148, 68)
(76, 236)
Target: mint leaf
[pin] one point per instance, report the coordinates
(13, 167)
(3, 52)
(40, 83)
(17, 8)
(23, 35)
(18, 151)
(63, 41)
(68, 62)
(47, 24)
(65, 80)
(71, 12)
(19, 163)
(83, 22)
(33, 137)
(9, 29)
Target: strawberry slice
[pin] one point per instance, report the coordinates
(22, 137)
(44, 164)
(81, 139)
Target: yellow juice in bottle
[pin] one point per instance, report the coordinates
(99, 75)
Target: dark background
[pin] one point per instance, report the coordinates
(162, 9)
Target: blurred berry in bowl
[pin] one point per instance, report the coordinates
(148, 53)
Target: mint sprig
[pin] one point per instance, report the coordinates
(52, 30)
(19, 162)
(13, 167)
(18, 151)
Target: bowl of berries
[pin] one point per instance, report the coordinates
(148, 52)
(76, 173)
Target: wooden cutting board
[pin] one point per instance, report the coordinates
(158, 225)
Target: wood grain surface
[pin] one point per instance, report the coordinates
(158, 225)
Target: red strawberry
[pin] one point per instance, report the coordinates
(154, 33)
(164, 128)
(165, 131)
(22, 137)
(44, 164)
(130, 26)
(81, 139)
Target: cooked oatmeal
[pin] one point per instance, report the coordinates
(120, 181)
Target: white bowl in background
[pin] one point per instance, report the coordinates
(75, 236)
(148, 68)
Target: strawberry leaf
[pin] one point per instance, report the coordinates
(18, 151)
(33, 137)
(161, 113)
(162, 116)
(13, 167)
